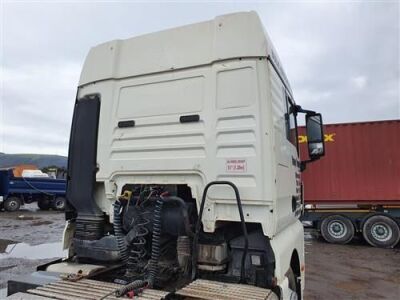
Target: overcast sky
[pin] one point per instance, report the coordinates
(341, 58)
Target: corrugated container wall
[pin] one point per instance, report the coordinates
(361, 164)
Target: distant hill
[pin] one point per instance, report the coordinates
(40, 160)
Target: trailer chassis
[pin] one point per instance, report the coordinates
(379, 225)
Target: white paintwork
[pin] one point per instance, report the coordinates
(286, 292)
(288, 240)
(219, 70)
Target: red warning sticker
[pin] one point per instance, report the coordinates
(236, 165)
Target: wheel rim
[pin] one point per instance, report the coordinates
(12, 204)
(337, 229)
(59, 204)
(381, 232)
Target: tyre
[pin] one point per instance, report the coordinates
(337, 229)
(381, 231)
(43, 204)
(59, 203)
(12, 204)
(292, 284)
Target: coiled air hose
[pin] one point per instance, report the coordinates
(155, 243)
(138, 244)
(155, 253)
(117, 223)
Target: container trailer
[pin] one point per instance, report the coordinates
(16, 191)
(355, 189)
(183, 171)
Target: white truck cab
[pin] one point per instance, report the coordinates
(184, 162)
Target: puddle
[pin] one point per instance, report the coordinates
(3, 293)
(23, 217)
(4, 244)
(307, 224)
(39, 223)
(12, 249)
(308, 236)
(6, 268)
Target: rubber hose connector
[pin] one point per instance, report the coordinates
(129, 287)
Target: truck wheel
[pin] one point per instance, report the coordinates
(292, 284)
(337, 229)
(43, 204)
(381, 231)
(12, 204)
(59, 203)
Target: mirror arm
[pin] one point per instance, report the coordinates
(303, 163)
(299, 109)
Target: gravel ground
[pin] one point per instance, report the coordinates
(19, 226)
(25, 234)
(353, 271)
(31, 237)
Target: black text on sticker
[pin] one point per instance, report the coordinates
(236, 166)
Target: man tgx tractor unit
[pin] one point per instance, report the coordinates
(184, 172)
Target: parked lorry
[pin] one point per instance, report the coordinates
(356, 188)
(183, 172)
(16, 191)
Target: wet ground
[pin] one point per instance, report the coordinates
(28, 238)
(352, 271)
(32, 237)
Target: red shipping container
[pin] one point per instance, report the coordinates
(361, 165)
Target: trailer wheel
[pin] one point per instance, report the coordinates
(43, 204)
(12, 204)
(337, 229)
(59, 203)
(381, 231)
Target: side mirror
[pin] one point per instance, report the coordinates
(315, 136)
